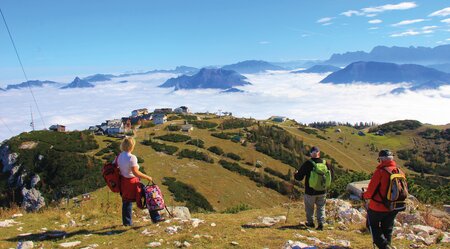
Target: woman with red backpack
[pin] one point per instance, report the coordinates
(129, 181)
(387, 192)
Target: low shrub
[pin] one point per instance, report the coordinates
(174, 137)
(183, 192)
(186, 153)
(233, 156)
(160, 147)
(197, 142)
(216, 150)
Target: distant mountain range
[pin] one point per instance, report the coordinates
(319, 69)
(232, 90)
(178, 70)
(31, 83)
(420, 77)
(252, 66)
(207, 78)
(99, 77)
(415, 55)
(78, 83)
(445, 67)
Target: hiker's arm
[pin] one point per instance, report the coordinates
(300, 173)
(330, 168)
(136, 172)
(372, 185)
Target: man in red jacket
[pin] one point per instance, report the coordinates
(381, 219)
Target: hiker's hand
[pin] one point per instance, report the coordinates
(150, 179)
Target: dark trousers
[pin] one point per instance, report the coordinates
(381, 224)
(127, 208)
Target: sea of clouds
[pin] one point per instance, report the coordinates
(296, 96)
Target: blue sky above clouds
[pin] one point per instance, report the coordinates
(69, 38)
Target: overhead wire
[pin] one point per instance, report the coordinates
(23, 69)
(7, 127)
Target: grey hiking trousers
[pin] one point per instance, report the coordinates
(319, 201)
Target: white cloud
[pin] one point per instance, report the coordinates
(406, 33)
(407, 22)
(400, 6)
(375, 21)
(374, 28)
(326, 24)
(325, 20)
(297, 96)
(442, 12)
(264, 42)
(446, 20)
(411, 32)
(448, 39)
(350, 13)
(429, 27)
(373, 11)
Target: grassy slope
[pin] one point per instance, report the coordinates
(222, 188)
(102, 225)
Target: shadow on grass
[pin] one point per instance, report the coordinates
(58, 234)
(294, 227)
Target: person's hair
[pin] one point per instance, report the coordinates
(127, 144)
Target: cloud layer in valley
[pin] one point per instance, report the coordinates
(297, 96)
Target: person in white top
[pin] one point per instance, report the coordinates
(129, 183)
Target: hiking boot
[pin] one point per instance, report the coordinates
(160, 220)
(320, 227)
(310, 224)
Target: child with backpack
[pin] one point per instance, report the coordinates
(317, 173)
(387, 192)
(130, 186)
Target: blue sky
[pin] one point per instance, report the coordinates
(69, 38)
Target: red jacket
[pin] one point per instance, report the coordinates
(380, 177)
(130, 189)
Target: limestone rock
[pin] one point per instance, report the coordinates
(154, 244)
(8, 223)
(70, 244)
(297, 245)
(25, 245)
(265, 222)
(180, 212)
(425, 229)
(172, 229)
(32, 200)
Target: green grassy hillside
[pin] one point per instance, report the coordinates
(245, 161)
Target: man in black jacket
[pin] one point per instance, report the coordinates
(313, 196)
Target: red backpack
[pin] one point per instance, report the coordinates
(111, 174)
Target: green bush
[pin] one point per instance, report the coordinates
(186, 153)
(342, 179)
(203, 124)
(286, 177)
(174, 137)
(236, 123)
(397, 126)
(140, 159)
(261, 179)
(239, 208)
(216, 150)
(278, 144)
(160, 147)
(173, 127)
(190, 117)
(197, 142)
(183, 192)
(233, 156)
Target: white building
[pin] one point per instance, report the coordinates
(159, 118)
